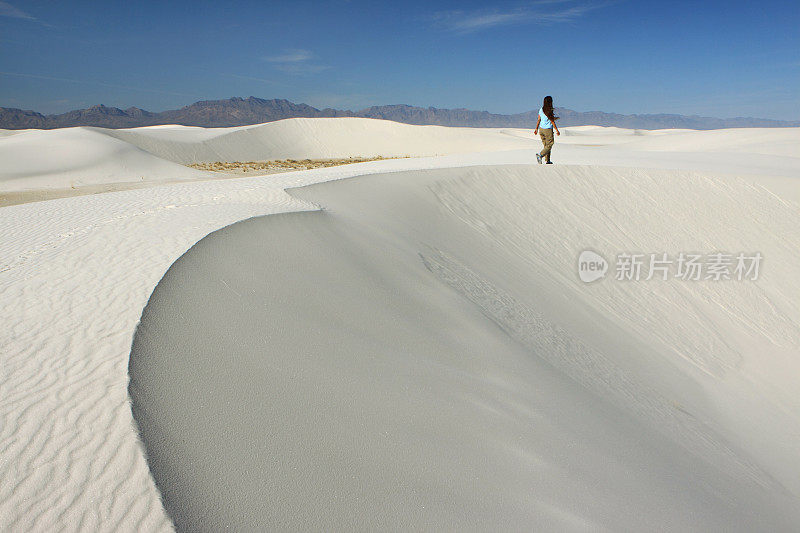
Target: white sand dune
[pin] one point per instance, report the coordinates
(80, 157)
(74, 157)
(421, 355)
(688, 391)
(780, 142)
(316, 138)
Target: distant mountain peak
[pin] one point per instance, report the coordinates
(238, 111)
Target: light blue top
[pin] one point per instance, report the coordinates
(545, 124)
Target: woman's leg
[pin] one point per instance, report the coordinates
(547, 141)
(544, 142)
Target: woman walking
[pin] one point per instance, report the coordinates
(544, 127)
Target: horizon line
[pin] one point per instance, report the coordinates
(651, 114)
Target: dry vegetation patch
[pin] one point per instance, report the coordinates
(280, 165)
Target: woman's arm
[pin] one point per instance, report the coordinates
(556, 128)
(538, 121)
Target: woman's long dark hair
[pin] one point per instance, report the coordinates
(547, 107)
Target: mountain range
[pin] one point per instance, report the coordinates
(244, 111)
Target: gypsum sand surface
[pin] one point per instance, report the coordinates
(403, 359)
(225, 170)
(78, 271)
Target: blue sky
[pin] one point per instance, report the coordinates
(724, 59)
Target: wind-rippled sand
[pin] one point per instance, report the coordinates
(421, 355)
(76, 273)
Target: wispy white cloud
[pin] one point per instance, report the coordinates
(250, 78)
(7, 10)
(302, 68)
(541, 12)
(292, 55)
(296, 61)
